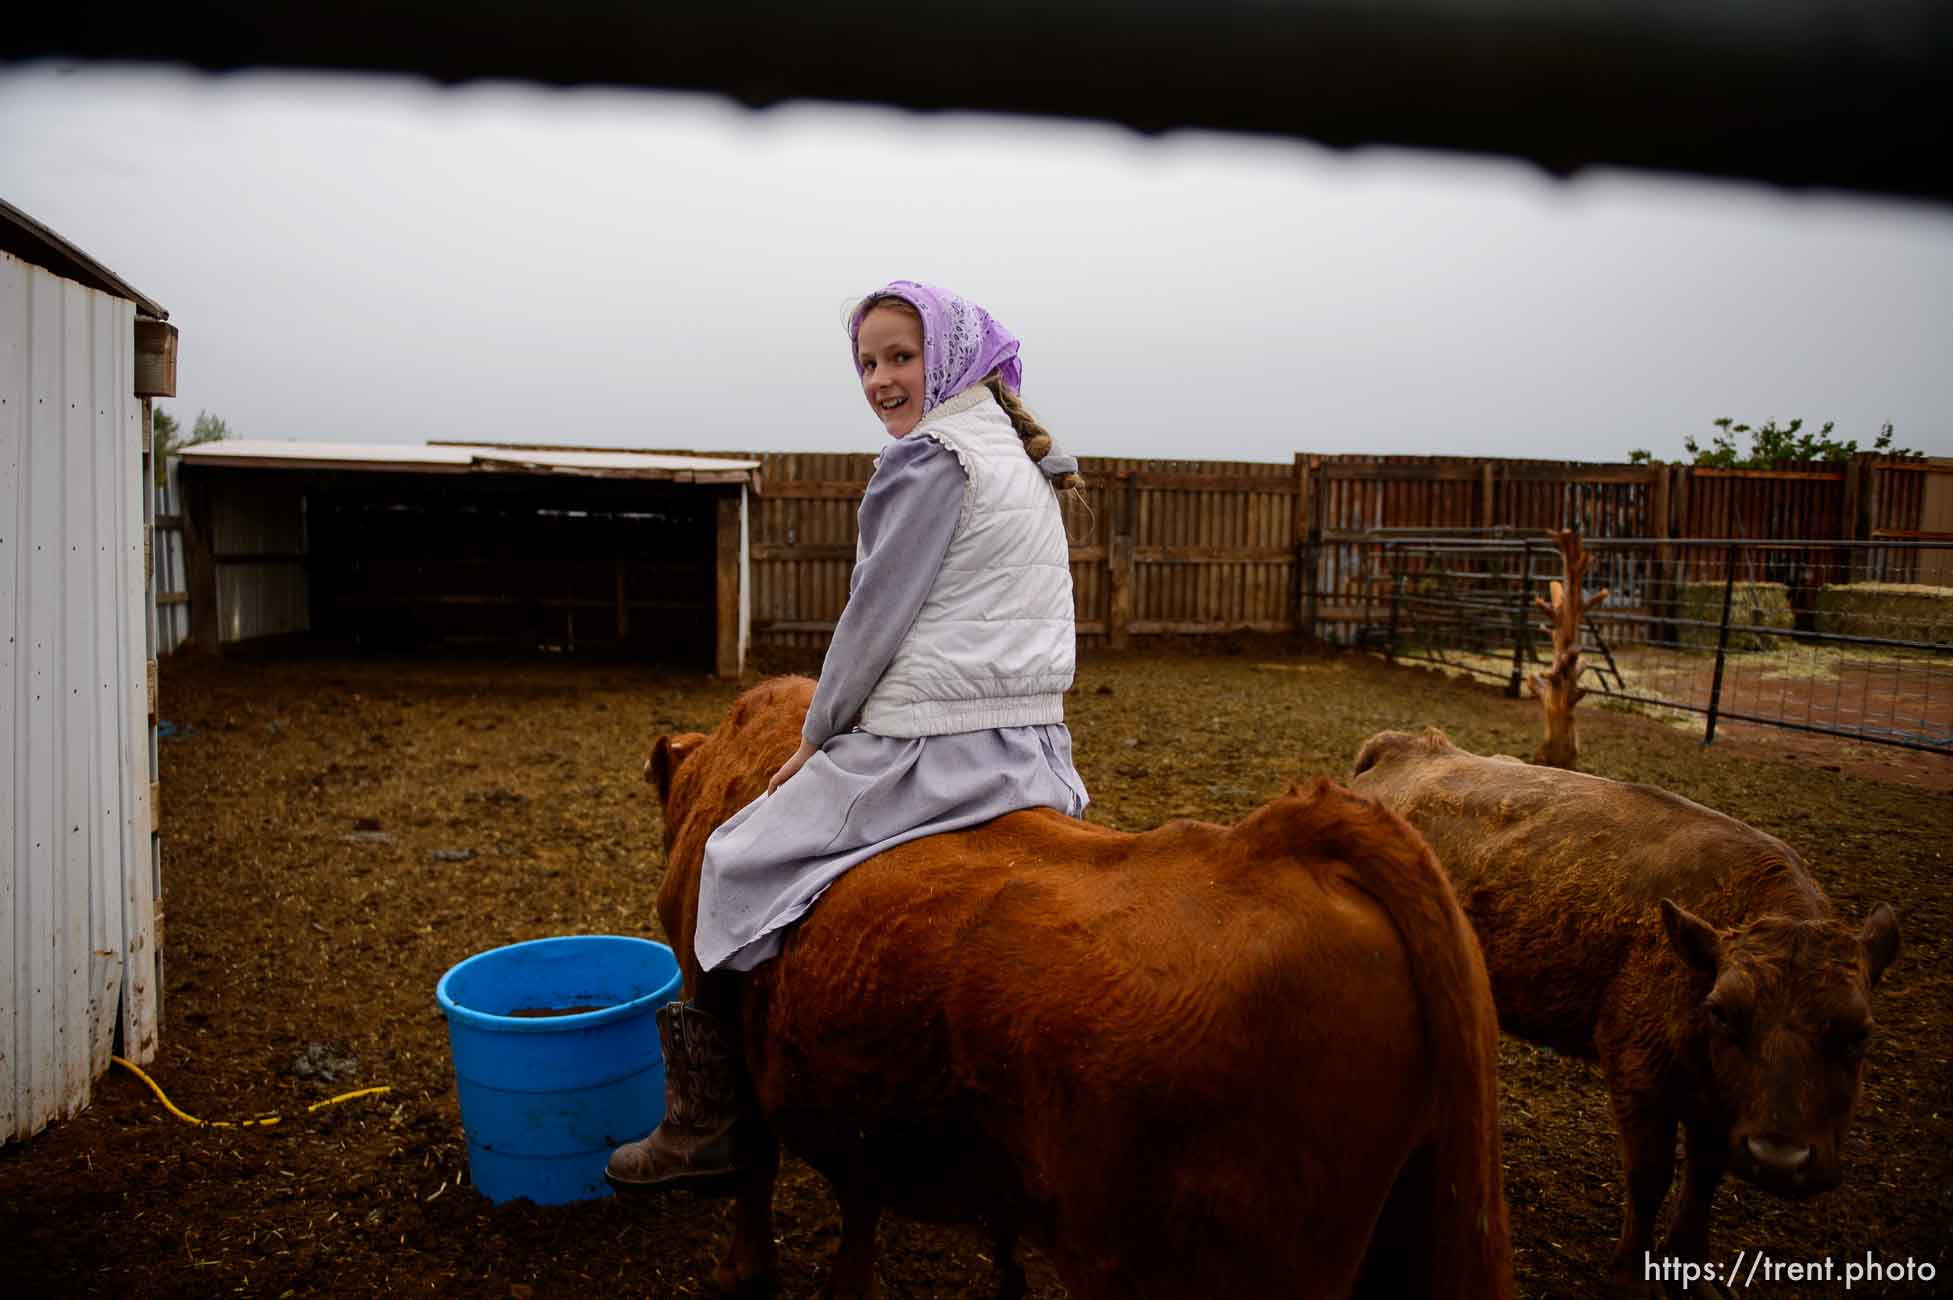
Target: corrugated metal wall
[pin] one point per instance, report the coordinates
(266, 597)
(77, 884)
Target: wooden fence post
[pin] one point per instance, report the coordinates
(1486, 490)
(1678, 508)
(1856, 515)
(1119, 561)
(725, 657)
(1303, 519)
(1661, 592)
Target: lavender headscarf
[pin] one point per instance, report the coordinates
(961, 344)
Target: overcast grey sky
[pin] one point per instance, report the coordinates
(377, 260)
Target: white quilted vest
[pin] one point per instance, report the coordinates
(995, 643)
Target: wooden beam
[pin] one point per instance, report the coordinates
(1307, 470)
(1298, 536)
(1311, 554)
(1874, 498)
(767, 551)
(1562, 473)
(1821, 476)
(1144, 480)
(199, 567)
(1660, 580)
(484, 467)
(1161, 481)
(1856, 519)
(606, 451)
(817, 490)
(1415, 473)
(1213, 555)
(1119, 564)
(1854, 490)
(726, 639)
(822, 625)
(1164, 627)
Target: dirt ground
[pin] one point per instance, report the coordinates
(339, 833)
(1908, 699)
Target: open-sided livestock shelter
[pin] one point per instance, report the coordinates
(80, 355)
(453, 546)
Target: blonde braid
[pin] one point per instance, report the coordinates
(1034, 436)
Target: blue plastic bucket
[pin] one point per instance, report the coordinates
(544, 1098)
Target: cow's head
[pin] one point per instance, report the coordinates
(661, 769)
(702, 780)
(1784, 1028)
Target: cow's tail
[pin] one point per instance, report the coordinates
(1444, 1230)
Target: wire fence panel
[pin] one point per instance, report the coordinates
(1809, 635)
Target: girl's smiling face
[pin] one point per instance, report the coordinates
(889, 350)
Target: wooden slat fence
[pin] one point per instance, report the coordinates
(1184, 547)
(1354, 498)
(1897, 511)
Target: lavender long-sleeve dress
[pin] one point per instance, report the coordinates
(861, 793)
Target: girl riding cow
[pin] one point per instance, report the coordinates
(941, 699)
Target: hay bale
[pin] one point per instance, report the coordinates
(1755, 604)
(1900, 610)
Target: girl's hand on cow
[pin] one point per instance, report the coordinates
(792, 765)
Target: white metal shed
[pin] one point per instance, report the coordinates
(80, 353)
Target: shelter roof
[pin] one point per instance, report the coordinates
(445, 458)
(37, 245)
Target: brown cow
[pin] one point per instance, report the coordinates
(1205, 1061)
(1692, 955)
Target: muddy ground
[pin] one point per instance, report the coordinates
(503, 802)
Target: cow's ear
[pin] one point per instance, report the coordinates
(1693, 938)
(666, 755)
(1880, 939)
(1376, 749)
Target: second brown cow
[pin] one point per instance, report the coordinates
(1693, 956)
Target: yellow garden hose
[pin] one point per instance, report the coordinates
(265, 1122)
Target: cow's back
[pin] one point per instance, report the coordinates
(1055, 1022)
(1562, 872)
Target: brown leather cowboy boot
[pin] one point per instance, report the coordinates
(700, 1145)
